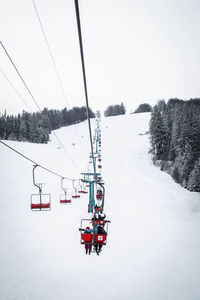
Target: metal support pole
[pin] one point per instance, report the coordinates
(91, 197)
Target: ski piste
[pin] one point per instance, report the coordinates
(153, 245)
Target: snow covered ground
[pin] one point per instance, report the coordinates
(154, 238)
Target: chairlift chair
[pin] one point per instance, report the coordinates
(39, 201)
(84, 189)
(92, 238)
(99, 194)
(81, 187)
(65, 198)
(75, 194)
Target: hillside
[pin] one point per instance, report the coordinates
(153, 242)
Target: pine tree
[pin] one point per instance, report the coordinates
(194, 178)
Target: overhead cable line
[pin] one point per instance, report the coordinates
(14, 88)
(50, 52)
(54, 65)
(35, 101)
(84, 79)
(20, 76)
(35, 163)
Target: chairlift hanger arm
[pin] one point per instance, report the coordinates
(37, 185)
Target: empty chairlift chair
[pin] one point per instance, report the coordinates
(40, 201)
(65, 198)
(81, 190)
(75, 193)
(85, 188)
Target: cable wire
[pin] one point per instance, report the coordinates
(36, 102)
(20, 76)
(50, 52)
(55, 67)
(84, 79)
(14, 88)
(35, 163)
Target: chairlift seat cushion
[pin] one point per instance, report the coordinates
(65, 201)
(40, 206)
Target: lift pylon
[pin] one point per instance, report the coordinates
(87, 179)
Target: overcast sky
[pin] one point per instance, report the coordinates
(135, 51)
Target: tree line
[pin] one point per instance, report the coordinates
(114, 110)
(175, 140)
(145, 107)
(36, 127)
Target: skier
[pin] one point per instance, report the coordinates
(99, 230)
(88, 247)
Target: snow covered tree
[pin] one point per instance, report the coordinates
(175, 136)
(145, 107)
(115, 110)
(194, 178)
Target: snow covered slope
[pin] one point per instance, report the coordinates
(154, 238)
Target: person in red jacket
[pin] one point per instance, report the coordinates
(88, 247)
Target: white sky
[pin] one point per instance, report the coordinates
(136, 51)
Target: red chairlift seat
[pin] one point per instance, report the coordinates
(43, 203)
(65, 198)
(99, 159)
(75, 196)
(40, 206)
(99, 166)
(99, 178)
(64, 201)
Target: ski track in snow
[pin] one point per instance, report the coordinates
(154, 238)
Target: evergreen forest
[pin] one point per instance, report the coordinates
(115, 110)
(145, 107)
(175, 140)
(36, 127)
